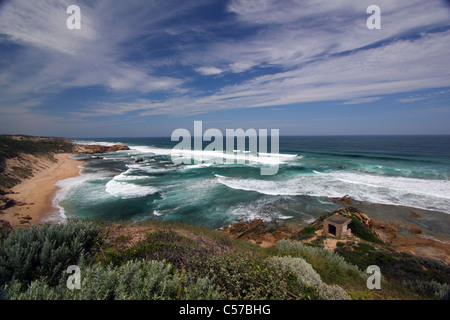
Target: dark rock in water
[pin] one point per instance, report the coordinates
(415, 215)
(139, 160)
(415, 230)
(345, 200)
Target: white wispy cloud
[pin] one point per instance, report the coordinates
(362, 100)
(304, 51)
(208, 71)
(96, 55)
(412, 99)
(362, 76)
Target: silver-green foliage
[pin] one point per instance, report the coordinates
(308, 277)
(430, 289)
(333, 262)
(45, 251)
(135, 280)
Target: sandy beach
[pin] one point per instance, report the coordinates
(34, 196)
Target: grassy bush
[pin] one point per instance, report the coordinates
(13, 147)
(245, 276)
(45, 251)
(308, 277)
(429, 289)
(305, 233)
(396, 265)
(161, 245)
(332, 268)
(140, 280)
(360, 230)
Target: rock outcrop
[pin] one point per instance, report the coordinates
(258, 232)
(345, 200)
(91, 149)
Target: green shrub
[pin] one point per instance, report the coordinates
(137, 280)
(396, 265)
(308, 277)
(3, 235)
(332, 268)
(161, 245)
(428, 289)
(244, 276)
(22, 172)
(45, 251)
(431, 264)
(363, 232)
(364, 247)
(305, 233)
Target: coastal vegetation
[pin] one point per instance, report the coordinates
(155, 260)
(21, 150)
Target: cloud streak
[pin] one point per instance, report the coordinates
(147, 58)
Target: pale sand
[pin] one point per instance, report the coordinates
(35, 195)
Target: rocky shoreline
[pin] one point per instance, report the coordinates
(92, 149)
(378, 234)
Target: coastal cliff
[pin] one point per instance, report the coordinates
(29, 161)
(21, 156)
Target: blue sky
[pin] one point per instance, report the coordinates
(145, 68)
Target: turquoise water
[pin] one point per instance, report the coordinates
(406, 171)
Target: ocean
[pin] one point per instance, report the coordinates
(389, 177)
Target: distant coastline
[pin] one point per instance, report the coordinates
(34, 196)
(31, 168)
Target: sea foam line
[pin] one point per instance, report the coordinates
(384, 190)
(210, 155)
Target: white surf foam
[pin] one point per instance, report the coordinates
(91, 142)
(197, 166)
(157, 213)
(418, 193)
(129, 176)
(280, 155)
(127, 190)
(147, 149)
(208, 156)
(259, 209)
(65, 186)
(149, 169)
